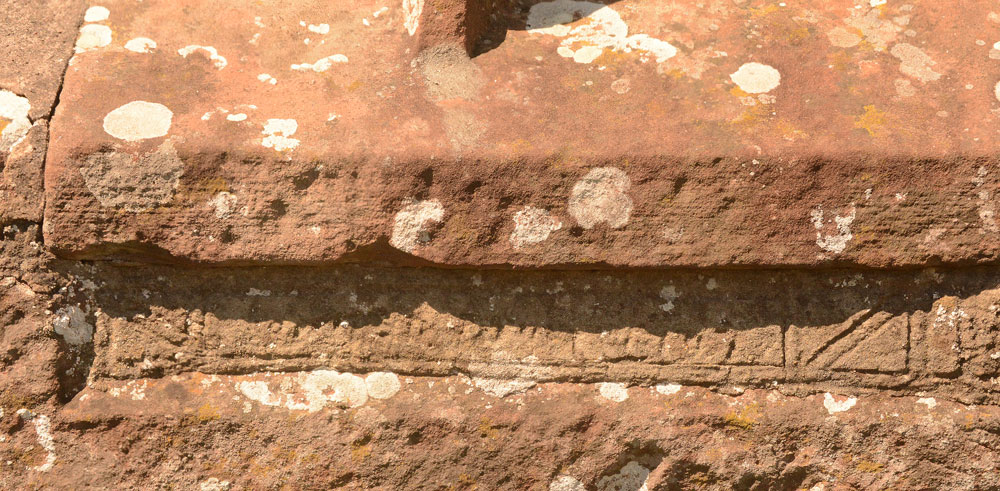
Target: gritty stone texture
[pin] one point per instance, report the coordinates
(182, 431)
(730, 127)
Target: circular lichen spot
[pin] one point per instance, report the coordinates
(756, 78)
(601, 196)
(138, 120)
(382, 385)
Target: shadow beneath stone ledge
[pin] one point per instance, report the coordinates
(867, 327)
(506, 15)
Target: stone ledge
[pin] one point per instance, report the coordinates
(637, 134)
(269, 429)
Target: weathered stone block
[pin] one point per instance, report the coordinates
(657, 133)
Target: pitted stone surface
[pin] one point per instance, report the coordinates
(776, 134)
(181, 431)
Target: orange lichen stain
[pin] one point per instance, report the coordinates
(355, 85)
(752, 115)
(872, 121)
(797, 35)
(207, 413)
(520, 145)
(615, 59)
(745, 418)
(3, 123)
(465, 481)
(841, 61)
(675, 73)
(789, 131)
(486, 429)
(765, 10)
(360, 451)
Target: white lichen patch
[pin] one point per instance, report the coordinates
(914, 62)
(632, 477)
(214, 484)
(620, 86)
(96, 13)
(502, 387)
(930, 402)
(320, 65)
(673, 234)
(411, 15)
(532, 225)
(843, 38)
(93, 36)
(140, 45)
(876, 30)
(756, 78)
(669, 294)
(382, 385)
(309, 391)
(996, 91)
(949, 317)
(599, 28)
(71, 323)
(668, 389)
(267, 78)
(836, 242)
(834, 406)
(319, 28)
(43, 431)
(566, 483)
(213, 55)
(14, 121)
(134, 389)
(138, 120)
(410, 227)
(615, 392)
(601, 196)
(133, 183)
(223, 203)
(278, 134)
